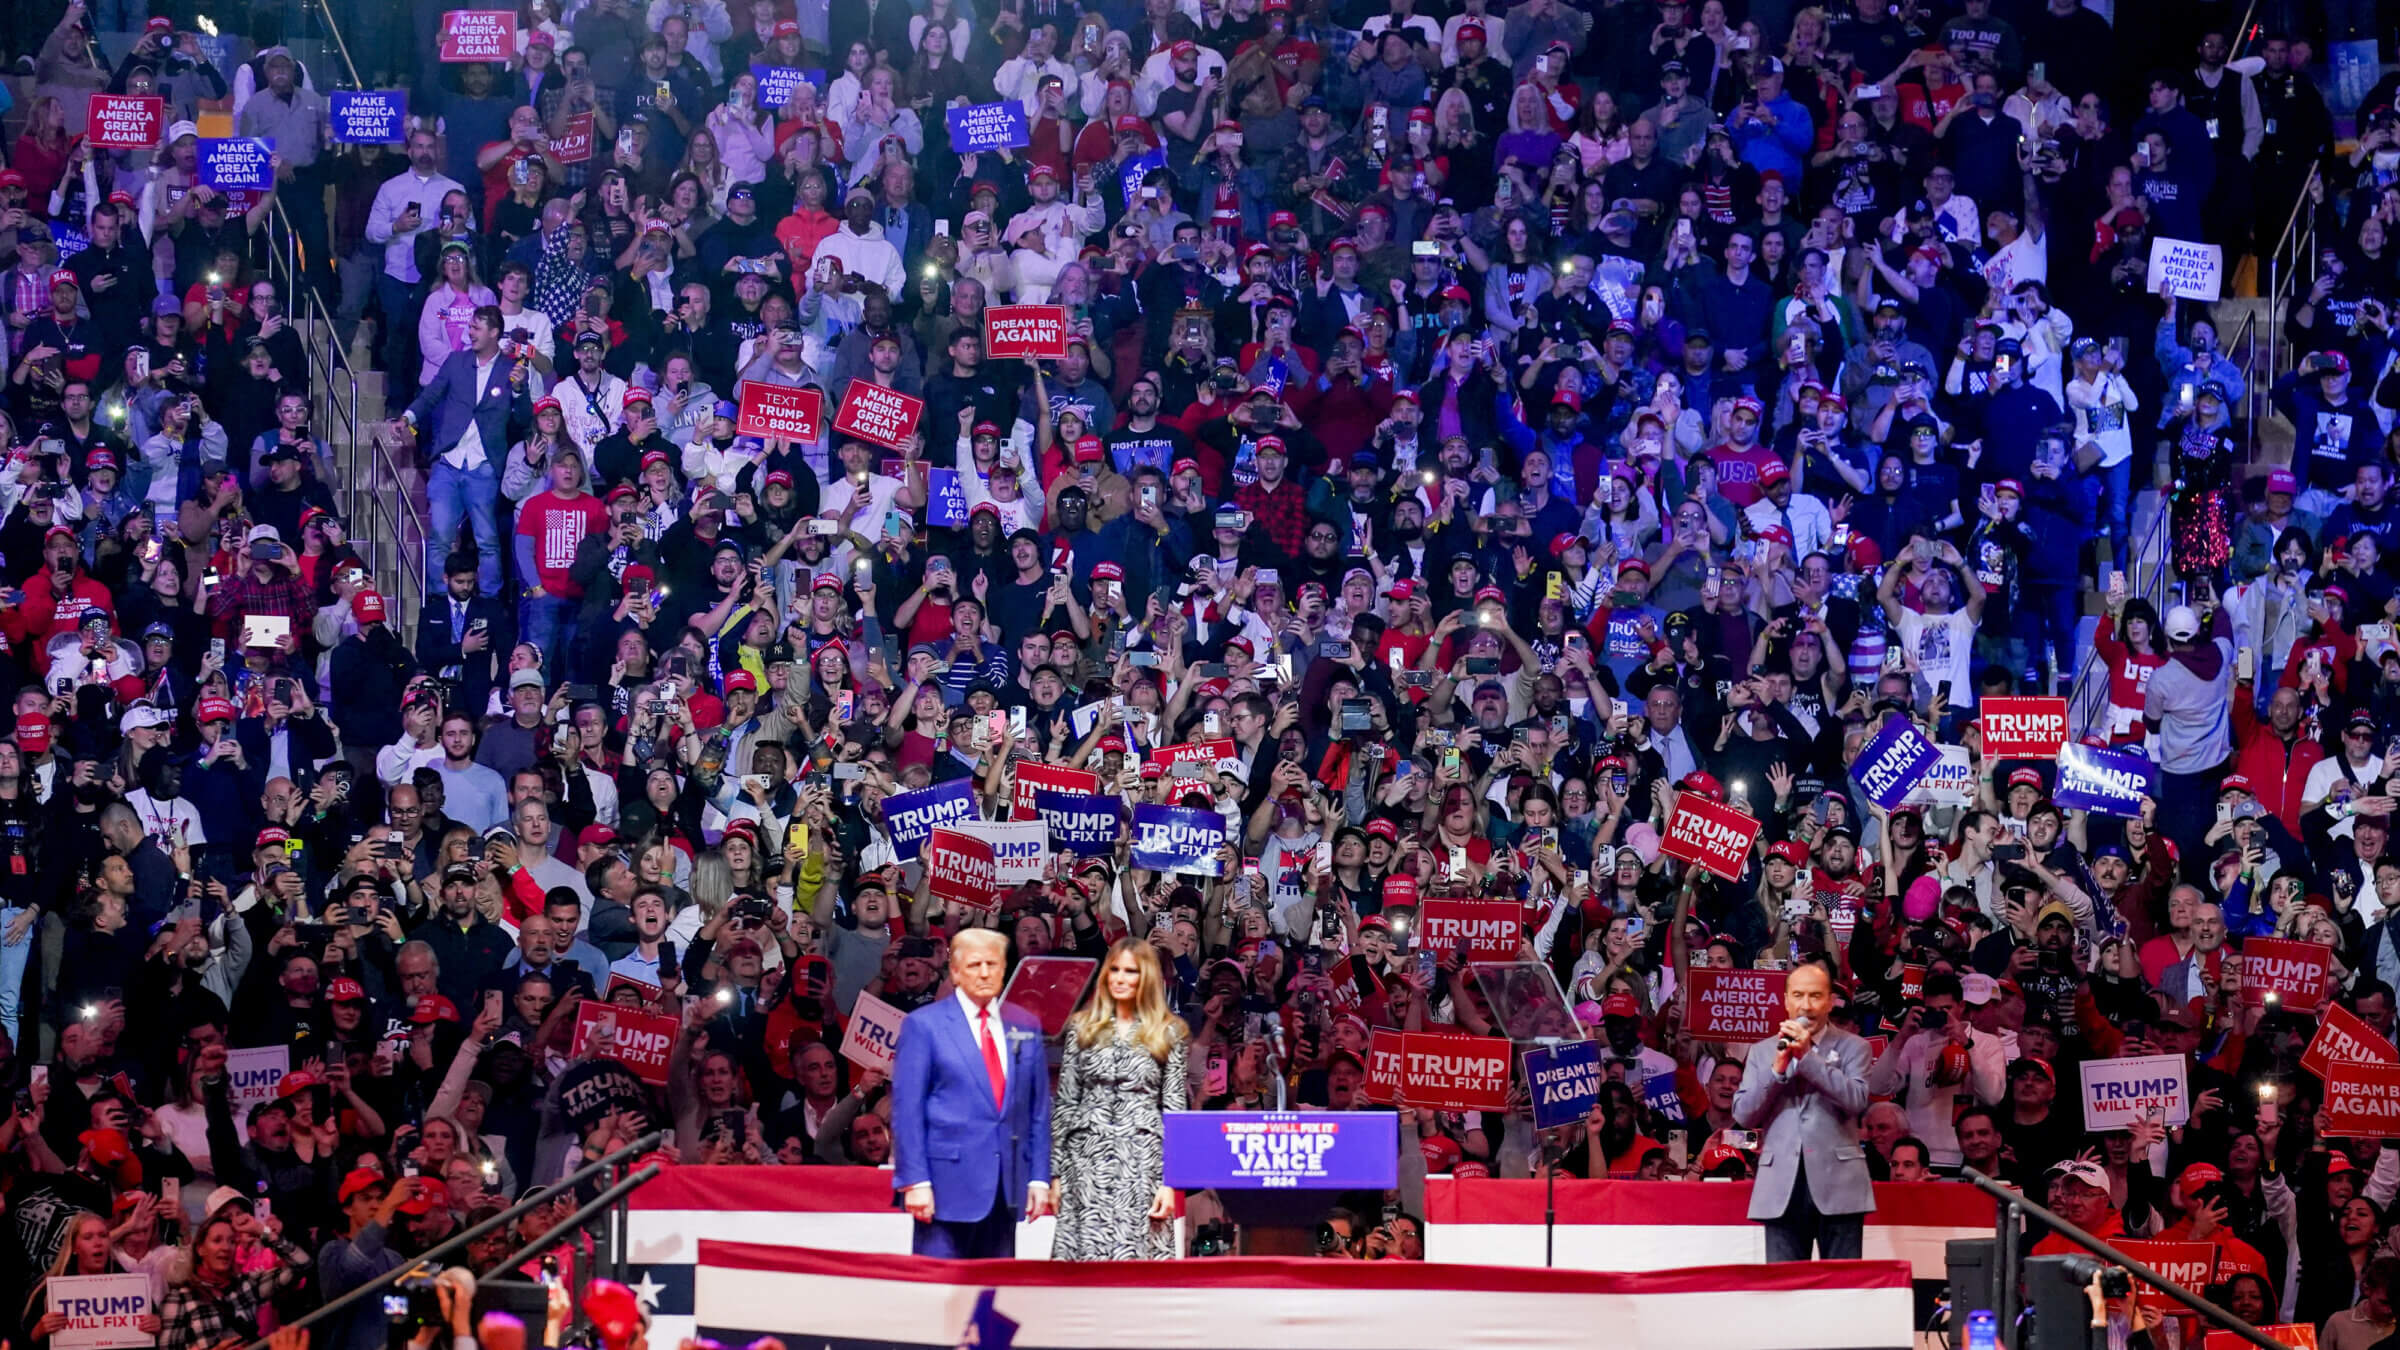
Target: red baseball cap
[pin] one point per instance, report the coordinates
(33, 732)
(434, 1008)
(215, 710)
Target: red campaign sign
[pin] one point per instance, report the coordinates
(638, 1040)
(2190, 1264)
(1912, 982)
(780, 410)
(2294, 973)
(1025, 330)
(2362, 1101)
(125, 121)
(1049, 987)
(1219, 751)
(1450, 1072)
(874, 413)
(1032, 778)
(2023, 728)
(959, 867)
(1711, 834)
(2343, 1038)
(479, 35)
(2298, 1335)
(1387, 1060)
(1741, 1006)
(576, 146)
(1489, 930)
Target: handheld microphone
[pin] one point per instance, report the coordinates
(1785, 1042)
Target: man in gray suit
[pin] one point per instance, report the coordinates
(1807, 1089)
(475, 402)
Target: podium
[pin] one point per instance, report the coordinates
(1277, 1172)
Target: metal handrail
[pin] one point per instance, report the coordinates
(572, 1224)
(2298, 245)
(342, 48)
(2151, 590)
(372, 496)
(461, 1238)
(2013, 1205)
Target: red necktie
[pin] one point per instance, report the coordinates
(991, 1060)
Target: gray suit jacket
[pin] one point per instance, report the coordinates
(1810, 1115)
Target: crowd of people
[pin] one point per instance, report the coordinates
(1493, 423)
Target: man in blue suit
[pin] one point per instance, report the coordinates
(471, 404)
(971, 1112)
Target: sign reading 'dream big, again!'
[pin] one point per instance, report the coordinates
(1282, 1150)
(479, 35)
(2024, 728)
(1710, 834)
(1563, 1081)
(125, 121)
(780, 410)
(1736, 1006)
(2362, 1101)
(871, 412)
(1026, 330)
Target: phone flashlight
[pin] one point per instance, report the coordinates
(724, 996)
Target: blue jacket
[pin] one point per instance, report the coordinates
(445, 408)
(947, 1130)
(1778, 147)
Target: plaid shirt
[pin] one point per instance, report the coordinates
(194, 1317)
(244, 596)
(1282, 512)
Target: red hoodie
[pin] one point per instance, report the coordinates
(42, 616)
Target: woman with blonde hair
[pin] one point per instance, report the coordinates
(1123, 1069)
(85, 1247)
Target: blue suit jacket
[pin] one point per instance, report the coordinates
(446, 407)
(945, 1127)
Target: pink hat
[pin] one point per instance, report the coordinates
(1924, 897)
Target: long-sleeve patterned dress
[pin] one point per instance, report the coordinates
(1108, 1148)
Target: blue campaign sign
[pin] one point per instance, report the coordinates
(1564, 1081)
(70, 240)
(1086, 824)
(1129, 178)
(912, 816)
(370, 116)
(1893, 761)
(988, 126)
(238, 163)
(2111, 782)
(946, 501)
(1283, 1150)
(1659, 1095)
(1177, 839)
(776, 83)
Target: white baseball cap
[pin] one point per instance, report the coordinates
(2182, 623)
